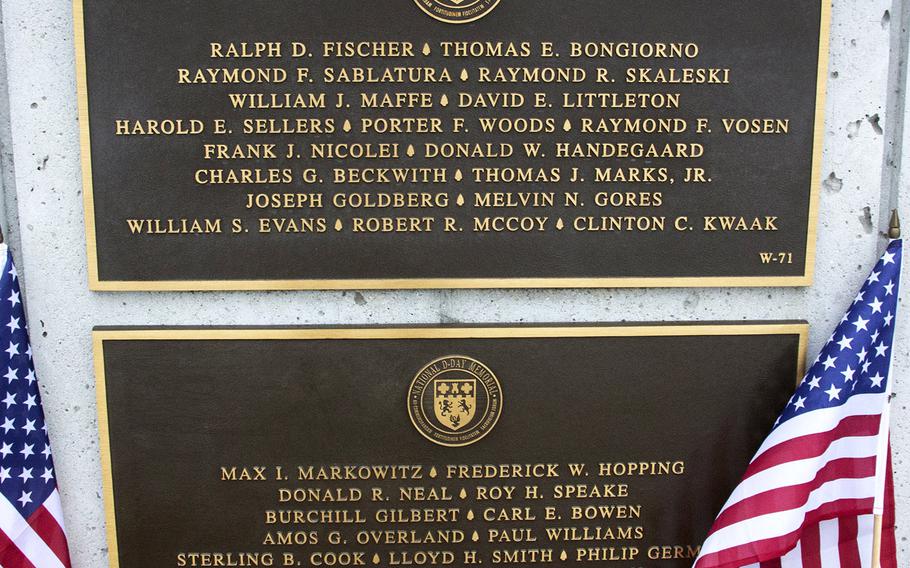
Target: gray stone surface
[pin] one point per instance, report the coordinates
(39, 153)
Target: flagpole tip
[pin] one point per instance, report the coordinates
(894, 228)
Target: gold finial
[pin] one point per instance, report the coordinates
(894, 228)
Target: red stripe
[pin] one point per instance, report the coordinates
(847, 531)
(46, 526)
(10, 555)
(814, 445)
(794, 496)
(811, 547)
(888, 553)
(771, 563)
(771, 548)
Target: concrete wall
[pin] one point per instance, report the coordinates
(42, 198)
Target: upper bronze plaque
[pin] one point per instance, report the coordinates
(253, 144)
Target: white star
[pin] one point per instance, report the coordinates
(881, 349)
(13, 272)
(860, 323)
(27, 450)
(848, 374)
(829, 362)
(8, 425)
(11, 375)
(6, 449)
(13, 324)
(875, 336)
(13, 349)
(29, 426)
(888, 319)
(888, 258)
(30, 377)
(46, 451)
(4, 474)
(889, 288)
(28, 350)
(800, 403)
(30, 401)
(26, 473)
(9, 400)
(873, 277)
(14, 299)
(814, 383)
(862, 354)
(833, 393)
(48, 475)
(877, 380)
(845, 342)
(25, 499)
(866, 366)
(876, 306)
(859, 298)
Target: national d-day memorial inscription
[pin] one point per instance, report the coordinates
(450, 446)
(254, 144)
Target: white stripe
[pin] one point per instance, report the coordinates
(55, 508)
(784, 522)
(794, 558)
(824, 419)
(26, 539)
(864, 536)
(828, 543)
(802, 471)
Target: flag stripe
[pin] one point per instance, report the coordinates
(802, 471)
(810, 547)
(848, 551)
(828, 539)
(45, 526)
(10, 555)
(25, 538)
(766, 526)
(866, 530)
(823, 419)
(888, 552)
(755, 550)
(55, 508)
(794, 496)
(814, 445)
(793, 559)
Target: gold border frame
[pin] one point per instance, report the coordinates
(96, 284)
(252, 334)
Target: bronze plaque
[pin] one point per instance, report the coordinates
(449, 446)
(276, 144)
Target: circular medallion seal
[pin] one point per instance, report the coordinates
(454, 401)
(457, 11)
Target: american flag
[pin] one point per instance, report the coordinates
(31, 519)
(810, 495)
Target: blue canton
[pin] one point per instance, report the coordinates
(857, 358)
(26, 467)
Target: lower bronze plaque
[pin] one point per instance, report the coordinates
(431, 446)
